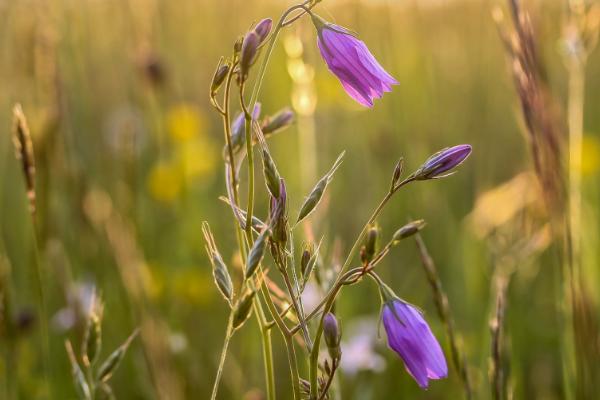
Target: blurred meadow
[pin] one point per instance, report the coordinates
(128, 163)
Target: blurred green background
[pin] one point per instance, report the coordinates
(128, 160)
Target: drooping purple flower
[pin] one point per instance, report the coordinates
(410, 336)
(441, 163)
(363, 78)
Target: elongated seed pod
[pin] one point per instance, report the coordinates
(314, 198)
(256, 254)
(92, 340)
(409, 229)
(219, 76)
(243, 310)
(220, 272)
(272, 177)
(221, 277)
(110, 365)
(279, 121)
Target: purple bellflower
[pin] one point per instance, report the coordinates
(351, 61)
(411, 338)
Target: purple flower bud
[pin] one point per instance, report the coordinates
(263, 28)
(332, 335)
(281, 120)
(238, 136)
(248, 53)
(441, 163)
(410, 336)
(363, 78)
(278, 215)
(219, 77)
(408, 230)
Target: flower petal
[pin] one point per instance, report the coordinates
(410, 337)
(350, 60)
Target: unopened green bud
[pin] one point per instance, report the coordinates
(305, 259)
(397, 172)
(281, 120)
(313, 199)
(237, 46)
(370, 247)
(316, 194)
(222, 277)
(219, 77)
(243, 310)
(278, 215)
(409, 229)
(256, 253)
(112, 362)
(272, 177)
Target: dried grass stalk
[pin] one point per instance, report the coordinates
(24, 152)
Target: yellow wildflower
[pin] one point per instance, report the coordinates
(184, 122)
(165, 182)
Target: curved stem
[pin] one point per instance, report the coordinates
(227, 128)
(272, 40)
(250, 155)
(228, 335)
(314, 355)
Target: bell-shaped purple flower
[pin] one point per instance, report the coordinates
(351, 61)
(409, 336)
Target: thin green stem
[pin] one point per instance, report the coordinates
(228, 335)
(289, 345)
(287, 336)
(268, 361)
(257, 306)
(297, 307)
(43, 312)
(227, 130)
(250, 155)
(271, 45)
(314, 355)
